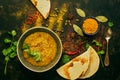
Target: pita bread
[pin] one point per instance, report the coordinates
(94, 64)
(43, 6)
(76, 67)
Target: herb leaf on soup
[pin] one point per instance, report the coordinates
(32, 53)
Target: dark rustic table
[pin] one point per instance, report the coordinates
(21, 15)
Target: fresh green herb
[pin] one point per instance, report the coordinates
(36, 55)
(101, 52)
(65, 58)
(110, 24)
(6, 40)
(87, 45)
(15, 43)
(10, 52)
(6, 59)
(97, 43)
(25, 47)
(32, 53)
(13, 33)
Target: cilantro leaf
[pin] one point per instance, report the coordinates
(65, 58)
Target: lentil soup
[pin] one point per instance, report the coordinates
(43, 43)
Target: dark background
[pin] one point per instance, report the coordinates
(16, 71)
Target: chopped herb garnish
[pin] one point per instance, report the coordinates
(36, 55)
(25, 47)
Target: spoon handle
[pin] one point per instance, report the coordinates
(106, 61)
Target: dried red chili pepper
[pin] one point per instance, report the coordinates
(75, 52)
(70, 52)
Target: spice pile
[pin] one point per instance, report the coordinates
(90, 26)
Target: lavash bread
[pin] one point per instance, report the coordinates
(94, 64)
(43, 6)
(76, 68)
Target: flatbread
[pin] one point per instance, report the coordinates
(82, 66)
(76, 67)
(43, 6)
(94, 64)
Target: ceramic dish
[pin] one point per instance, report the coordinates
(29, 65)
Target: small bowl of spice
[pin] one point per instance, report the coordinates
(90, 26)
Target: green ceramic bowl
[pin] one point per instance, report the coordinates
(27, 64)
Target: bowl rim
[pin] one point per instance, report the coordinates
(57, 57)
(96, 30)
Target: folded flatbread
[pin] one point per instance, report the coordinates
(82, 66)
(94, 64)
(76, 67)
(43, 6)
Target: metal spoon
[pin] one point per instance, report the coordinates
(107, 37)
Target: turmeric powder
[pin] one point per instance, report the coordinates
(90, 26)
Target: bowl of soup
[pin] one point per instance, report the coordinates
(39, 49)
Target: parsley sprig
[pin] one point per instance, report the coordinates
(10, 51)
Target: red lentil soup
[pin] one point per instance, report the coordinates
(45, 44)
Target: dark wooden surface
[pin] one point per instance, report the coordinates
(9, 21)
